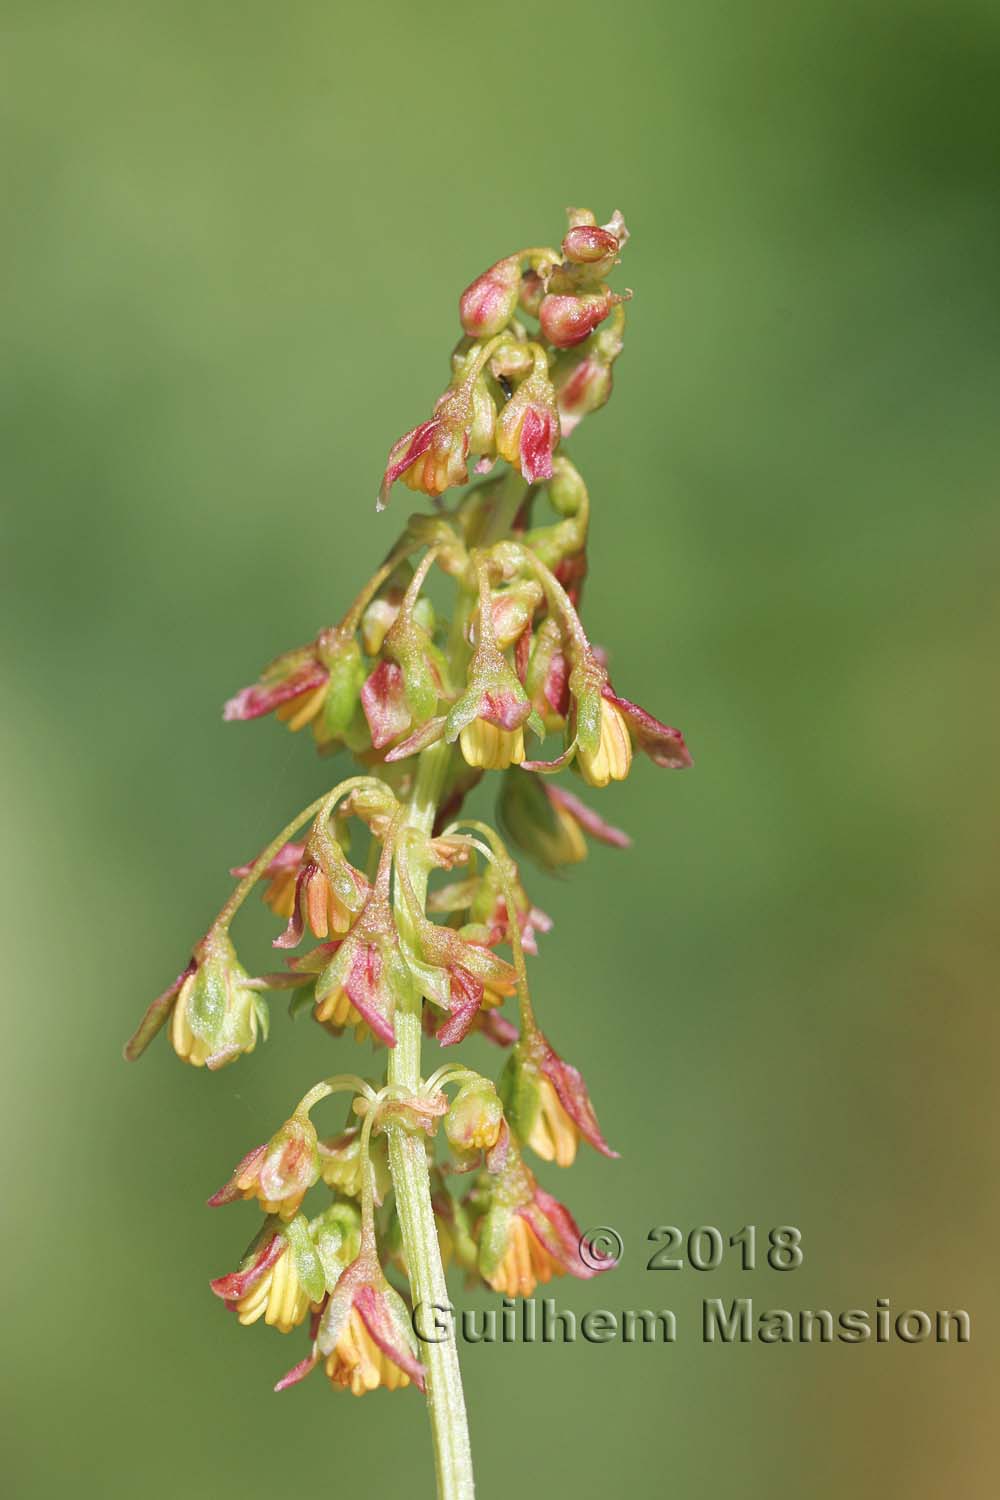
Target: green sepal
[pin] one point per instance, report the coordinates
(535, 723)
(333, 1321)
(209, 996)
(433, 982)
(585, 685)
(529, 820)
(263, 1010)
(336, 1234)
(412, 650)
(308, 1264)
(519, 1094)
(302, 998)
(464, 1248)
(347, 674)
(329, 854)
(462, 712)
(400, 1315)
(493, 1238)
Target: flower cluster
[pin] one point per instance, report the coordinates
(396, 917)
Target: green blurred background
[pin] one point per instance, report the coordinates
(234, 239)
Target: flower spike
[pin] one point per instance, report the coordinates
(466, 637)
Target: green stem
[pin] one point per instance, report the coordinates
(512, 492)
(411, 1180)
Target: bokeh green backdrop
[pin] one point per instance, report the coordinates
(234, 235)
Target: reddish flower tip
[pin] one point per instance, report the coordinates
(538, 439)
(233, 1286)
(411, 446)
(259, 699)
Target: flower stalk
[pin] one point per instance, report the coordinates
(403, 919)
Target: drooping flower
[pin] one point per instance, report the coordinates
(550, 823)
(364, 1336)
(430, 457)
(279, 1173)
(327, 900)
(318, 684)
(289, 1268)
(547, 1103)
(603, 726)
(214, 1008)
(267, 1287)
(611, 758)
(526, 1236)
(328, 892)
(433, 456)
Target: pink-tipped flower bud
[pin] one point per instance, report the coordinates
(586, 244)
(568, 320)
(582, 388)
(582, 376)
(488, 303)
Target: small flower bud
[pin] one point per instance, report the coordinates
(567, 320)
(488, 303)
(381, 614)
(513, 611)
(342, 1165)
(583, 378)
(475, 1119)
(513, 361)
(587, 245)
(582, 390)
